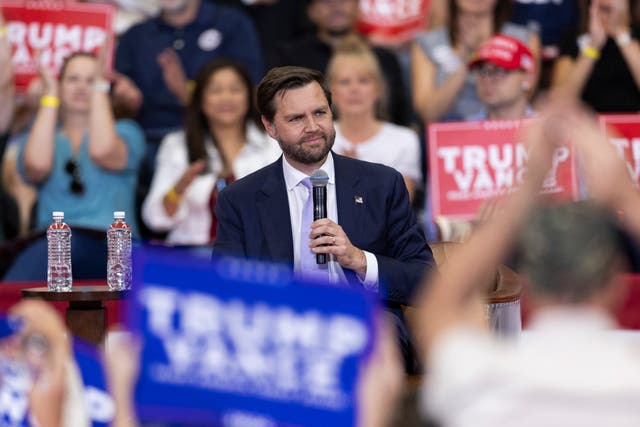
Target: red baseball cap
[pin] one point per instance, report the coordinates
(504, 51)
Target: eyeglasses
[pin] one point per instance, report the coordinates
(491, 72)
(76, 186)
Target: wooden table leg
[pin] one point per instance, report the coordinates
(87, 320)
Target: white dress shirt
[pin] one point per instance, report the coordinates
(394, 146)
(297, 194)
(569, 369)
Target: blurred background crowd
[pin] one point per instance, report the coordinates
(175, 121)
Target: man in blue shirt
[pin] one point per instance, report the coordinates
(156, 58)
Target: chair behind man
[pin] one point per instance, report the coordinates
(503, 295)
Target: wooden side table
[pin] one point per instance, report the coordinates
(86, 315)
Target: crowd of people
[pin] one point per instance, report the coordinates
(217, 112)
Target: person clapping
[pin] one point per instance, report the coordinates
(222, 141)
(81, 159)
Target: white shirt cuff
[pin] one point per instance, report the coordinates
(370, 281)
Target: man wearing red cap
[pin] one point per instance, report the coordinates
(505, 75)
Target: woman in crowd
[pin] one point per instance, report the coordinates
(358, 91)
(222, 141)
(443, 89)
(83, 161)
(602, 64)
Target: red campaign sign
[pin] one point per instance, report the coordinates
(623, 131)
(55, 29)
(392, 21)
(474, 161)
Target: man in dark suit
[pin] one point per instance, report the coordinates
(370, 235)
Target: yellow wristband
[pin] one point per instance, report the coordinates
(173, 195)
(3, 31)
(49, 101)
(591, 52)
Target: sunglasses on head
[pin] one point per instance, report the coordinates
(76, 186)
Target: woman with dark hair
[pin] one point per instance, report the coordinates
(443, 89)
(222, 141)
(601, 65)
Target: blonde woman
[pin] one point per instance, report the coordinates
(358, 90)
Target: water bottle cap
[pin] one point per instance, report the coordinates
(58, 215)
(118, 215)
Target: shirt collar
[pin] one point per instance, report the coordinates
(293, 176)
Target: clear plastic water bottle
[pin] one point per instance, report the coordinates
(119, 253)
(59, 254)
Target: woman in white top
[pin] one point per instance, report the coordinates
(222, 141)
(357, 87)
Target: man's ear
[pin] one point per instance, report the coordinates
(268, 126)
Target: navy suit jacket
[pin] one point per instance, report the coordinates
(254, 222)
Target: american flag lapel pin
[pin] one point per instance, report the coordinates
(358, 199)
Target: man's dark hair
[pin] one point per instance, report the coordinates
(279, 80)
(570, 252)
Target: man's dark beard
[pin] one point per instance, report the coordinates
(298, 154)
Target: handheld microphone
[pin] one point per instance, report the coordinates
(319, 180)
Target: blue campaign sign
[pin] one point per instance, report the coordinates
(16, 378)
(99, 403)
(14, 392)
(9, 325)
(243, 343)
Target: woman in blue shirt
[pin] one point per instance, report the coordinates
(82, 161)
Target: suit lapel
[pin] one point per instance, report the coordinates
(348, 188)
(273, 208)
(273, 211)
